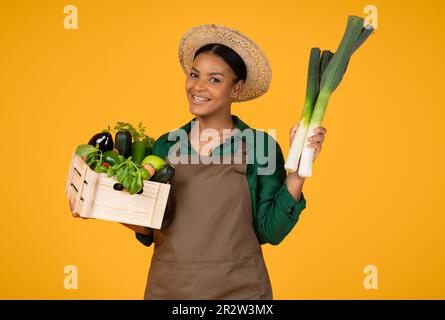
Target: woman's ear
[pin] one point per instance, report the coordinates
(237, 87)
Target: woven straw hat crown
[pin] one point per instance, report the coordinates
(259, 73)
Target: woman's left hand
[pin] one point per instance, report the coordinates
(315, 141)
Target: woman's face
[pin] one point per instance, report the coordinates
(211, 79)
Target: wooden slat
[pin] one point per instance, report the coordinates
(76, 179)
(122, 206)
(161, 203)
(89, 192)
(83, 172)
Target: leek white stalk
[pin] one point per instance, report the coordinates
(354, 36)
(312, 88)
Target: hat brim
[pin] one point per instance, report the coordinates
(259, 73)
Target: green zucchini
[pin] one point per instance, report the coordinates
(123, 142)
(164, 174)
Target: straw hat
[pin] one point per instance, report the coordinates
(259, 73)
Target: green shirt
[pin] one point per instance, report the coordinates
(275, 211)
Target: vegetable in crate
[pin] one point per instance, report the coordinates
(149, 169)
(145, 174)
(164, 174)
(162, 171)
(123, 142)
(112, 158)
(118, 186)
(130, 175)
(92, 155)
(142, 144)
(104, 139)
(139, 151)
(156, 162)
(84, 150)
(100, 169)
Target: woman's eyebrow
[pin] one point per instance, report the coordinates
(210, 73)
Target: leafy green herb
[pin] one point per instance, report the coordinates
(100, 169)
(111, 172)
(84, 150)
(92, 155)
(137, 134)
(149, 141)
(130, 175)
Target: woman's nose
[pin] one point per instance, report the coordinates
(199, 85)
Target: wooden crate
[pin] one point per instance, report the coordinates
(95, 197)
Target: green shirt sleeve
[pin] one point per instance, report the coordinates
(277, 211)
(146, 240)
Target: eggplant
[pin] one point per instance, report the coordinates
(123, 140)
(164, 174)
(104, 139)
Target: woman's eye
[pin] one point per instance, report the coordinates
(192, 74)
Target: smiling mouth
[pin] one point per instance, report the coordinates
(199, 100)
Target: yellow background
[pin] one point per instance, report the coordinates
(376, 194)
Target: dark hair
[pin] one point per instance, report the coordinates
(229, 56)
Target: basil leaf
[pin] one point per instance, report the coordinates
(134, 187)
(139, 182)
(122, 174)
(127, 183)
(110, 172)
(84, 150)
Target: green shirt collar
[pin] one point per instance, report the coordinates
(238, 122)
(227, 146)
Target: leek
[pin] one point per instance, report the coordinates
(315, 71)
(312, 88)
(326, 56)
(353, 38)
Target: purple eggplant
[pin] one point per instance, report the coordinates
(104, 139)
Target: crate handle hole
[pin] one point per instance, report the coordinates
(72, 185)
(77, 171)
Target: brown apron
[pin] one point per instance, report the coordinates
(207, 247)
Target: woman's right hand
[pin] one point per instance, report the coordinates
(72, 204)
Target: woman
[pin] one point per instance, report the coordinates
(219, 215)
